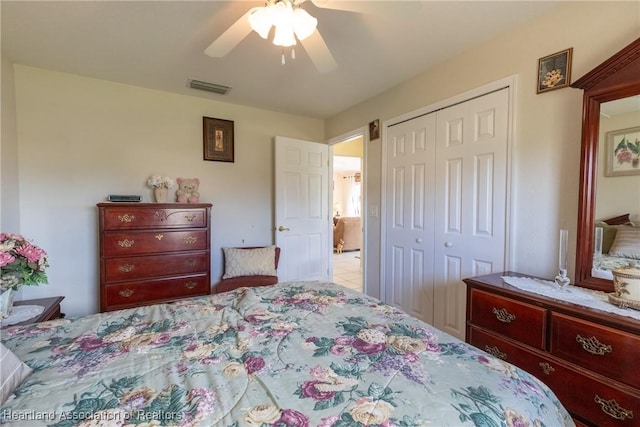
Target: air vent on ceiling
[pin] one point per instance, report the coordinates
(209, 87)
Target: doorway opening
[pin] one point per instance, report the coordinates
(346, 206)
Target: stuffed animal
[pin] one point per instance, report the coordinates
(188, 190)
(340, 246)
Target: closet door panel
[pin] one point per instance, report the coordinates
(470, 213)
(409, 188)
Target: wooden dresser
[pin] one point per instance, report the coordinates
(153, 252)
(589, 358)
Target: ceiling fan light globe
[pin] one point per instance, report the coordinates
(303, 24)
(284, 36)
(261, 21)
(282, 14)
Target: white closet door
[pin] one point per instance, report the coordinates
(471, 171)
(410, 191)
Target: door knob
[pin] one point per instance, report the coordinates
(283, 228)
(419, 240)
(448, 244)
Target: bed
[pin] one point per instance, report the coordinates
(620, 246)
(292, 354)
(604, 269)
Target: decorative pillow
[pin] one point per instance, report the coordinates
(626, 243)
(249, 262)
(619, 220)
(12, 372)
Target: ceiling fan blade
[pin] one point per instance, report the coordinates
(376, 7)
(319, 53)
(230, 38)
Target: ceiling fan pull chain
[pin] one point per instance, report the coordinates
(283, 60)
(293, 53)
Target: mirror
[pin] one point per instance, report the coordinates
(617, 186)
(609, 184)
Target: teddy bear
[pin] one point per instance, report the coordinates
(188, 190)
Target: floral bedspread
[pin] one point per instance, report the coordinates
(608, 263)
(294, 354)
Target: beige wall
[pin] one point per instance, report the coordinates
(82, 139)
(9, 185)
(547, 127)
(353, 148)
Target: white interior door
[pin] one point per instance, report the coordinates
(471, 171)
(302, 212)
(410, 191)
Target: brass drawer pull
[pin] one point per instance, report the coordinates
(126, 268)
(495, 352)
(190, 217)
(503, 315)
(160, 216)
(190, 285)
(546, 368)
(126, 293)
(191, 263)
(126, 218)
(190, 240)
(126, 243)
(611, 408)
(593, 346)
(159, 236)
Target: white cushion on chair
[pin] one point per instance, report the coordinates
(12, 372)
(249, 262)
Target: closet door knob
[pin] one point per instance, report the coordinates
(448, 244)
(419, 240)
(283, 228)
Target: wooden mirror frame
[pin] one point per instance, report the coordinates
(617, 77)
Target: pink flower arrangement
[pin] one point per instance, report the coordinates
(21, 262)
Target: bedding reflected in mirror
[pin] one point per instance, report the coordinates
(617, 208)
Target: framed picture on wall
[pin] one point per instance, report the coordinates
(623, 152)
(217, 139)
(374, 130)
(554, 71)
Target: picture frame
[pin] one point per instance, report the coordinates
(374, 129)
(218, 139)
(623, 152)
(554, 71)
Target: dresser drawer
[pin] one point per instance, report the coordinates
(137, 217)
(532, 362)
(602, 349)
(132, 294)
(149, 242)
(523, 322)
(597, 400)
(140, 267)
(585, 396)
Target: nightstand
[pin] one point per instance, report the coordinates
(51, 309)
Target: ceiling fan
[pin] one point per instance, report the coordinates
(291, 22)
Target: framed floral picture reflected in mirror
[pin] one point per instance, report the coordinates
(623, 152)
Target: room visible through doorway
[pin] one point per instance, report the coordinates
(347, 213)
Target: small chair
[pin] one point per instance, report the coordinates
(245, 267)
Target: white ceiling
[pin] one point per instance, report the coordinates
(346, 164)
(160, 45)
(620, 106)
